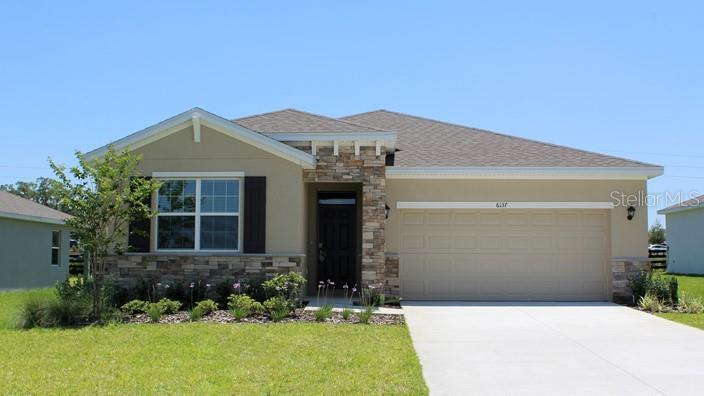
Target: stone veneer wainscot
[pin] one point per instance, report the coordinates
(128, 269)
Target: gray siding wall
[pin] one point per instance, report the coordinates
(25, 254)
(685, 236)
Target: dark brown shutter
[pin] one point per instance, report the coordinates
(138, 232)
(254, 236)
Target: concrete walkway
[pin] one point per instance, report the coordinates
(553, 349)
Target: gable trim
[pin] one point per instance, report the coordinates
(220, 124)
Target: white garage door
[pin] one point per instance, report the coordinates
(549, 255)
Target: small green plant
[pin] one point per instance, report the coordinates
(366, 314)
(346, 313)
(323, 313)
(242, 306)
(168, 306)
(373, 295)
(206, 306)
(155, 312)
(134, 307)
(688, 304)
(196, 314)
(287, 286)
(651, 303)
(278, 308)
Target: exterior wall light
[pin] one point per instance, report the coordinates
(631, 212)
(387, 209)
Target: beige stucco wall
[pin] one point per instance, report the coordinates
(628, 238)
(216, 152)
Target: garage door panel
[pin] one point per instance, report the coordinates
(439, 241)
(412, 242)
(438, 218)
(504, 255)
(461, 219)
(465, 242)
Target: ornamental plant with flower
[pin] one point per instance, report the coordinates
(287, 286)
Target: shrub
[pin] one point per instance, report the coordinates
(242, 306)
(346, 313)
(287, 286)
(207, 306)
(662, 287)
(196, 314)
(652, 303)
(223, 291)
(278, 308)
(255, 289)
(155, 312)
(32, 313)
(168, 306)
(66, 312)
(134, 307)
(366, 314)
(373, 295)
(690, 304)
(323, 313)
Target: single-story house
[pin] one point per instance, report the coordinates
(34, 243)
(429, 209)
(685, 222)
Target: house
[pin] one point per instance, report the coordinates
(429, 209)
(34, 243)
(685, 222)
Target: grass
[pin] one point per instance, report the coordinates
(200, 358)
(692, 286)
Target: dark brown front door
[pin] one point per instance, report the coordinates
(337, 248)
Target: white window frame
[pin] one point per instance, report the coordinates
(176, 176)
(57, 248)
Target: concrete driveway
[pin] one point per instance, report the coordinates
(553, 348)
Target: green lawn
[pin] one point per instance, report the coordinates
(204, 358)
(692, 286)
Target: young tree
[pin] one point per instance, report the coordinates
(656, 233)
(103, 196)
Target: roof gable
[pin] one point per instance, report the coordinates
(16, 207)
(296, 121)
(429, 143)
(197, 116)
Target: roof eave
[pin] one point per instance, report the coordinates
(36, 219)
(678, 209)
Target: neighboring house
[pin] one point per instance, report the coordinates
(685, 222)
(34, 243)
(431, 210)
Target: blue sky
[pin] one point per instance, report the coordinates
(623, 78)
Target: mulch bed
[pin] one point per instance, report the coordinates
(298, 316)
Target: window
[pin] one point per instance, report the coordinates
(198, 214)
(55, 247)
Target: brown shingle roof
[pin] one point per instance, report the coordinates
(11, 204)
(292, 121)
(428, 143)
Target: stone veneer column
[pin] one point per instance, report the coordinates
(370, 170)
(622, 269)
